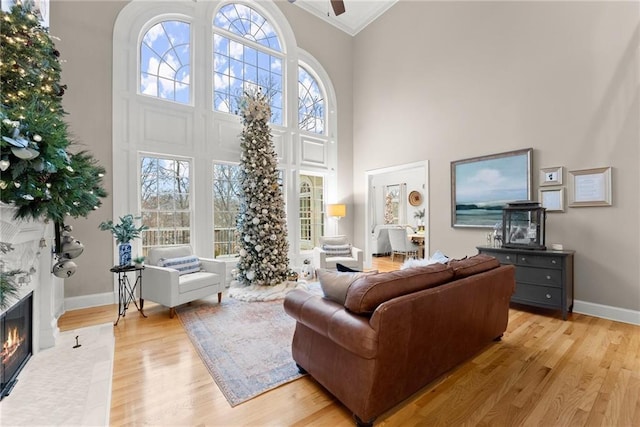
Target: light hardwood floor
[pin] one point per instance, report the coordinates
(581, 372)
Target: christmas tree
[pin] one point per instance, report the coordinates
(261, 224)
(39, 176)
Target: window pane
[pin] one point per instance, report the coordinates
(164, 200)
(165, 55)
(310, 103)
(226, 205)
(246, 65)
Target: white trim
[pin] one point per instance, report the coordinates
(607, 312)
(93, 300)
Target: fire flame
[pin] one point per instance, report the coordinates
(12, 343)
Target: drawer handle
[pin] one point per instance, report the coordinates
(553, 261)
(508, 257)
(548, 296)
(548, 277)
(524, 259)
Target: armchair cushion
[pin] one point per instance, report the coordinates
(184, 265)
(337, 250)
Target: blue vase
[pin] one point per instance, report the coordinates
(124, 254)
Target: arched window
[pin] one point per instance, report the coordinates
(247, 55)
(165, 55)
(310, 103)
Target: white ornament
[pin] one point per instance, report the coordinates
(243, 253)
(256, 221)
(251, 275)
(258, 248)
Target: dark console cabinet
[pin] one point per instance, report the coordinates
(543, 278)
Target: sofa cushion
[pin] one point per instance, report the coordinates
(368, 292)
(335, 284)
(337, 250)
(473, 265)
(155, 254)
(334, 240)
(184, 265)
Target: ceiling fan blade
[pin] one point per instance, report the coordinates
(338, 7)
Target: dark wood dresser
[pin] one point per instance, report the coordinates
(543, 278)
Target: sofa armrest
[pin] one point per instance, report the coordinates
(160, 284)
(319, 257)
(333, 321)
(214, 266)
(357, 254)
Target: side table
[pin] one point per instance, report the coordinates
(127, 291)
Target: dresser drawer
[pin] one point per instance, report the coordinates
(502, 257)
(534, 260)
(543, 295)
(541, 276)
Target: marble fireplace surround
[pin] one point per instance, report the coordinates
(33, 242)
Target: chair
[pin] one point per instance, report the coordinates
(337, 249)
(401, 243)
(174, 276)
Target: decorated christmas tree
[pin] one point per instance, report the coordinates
(38, 173)
(261, 222)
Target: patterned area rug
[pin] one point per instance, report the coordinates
(245, 345)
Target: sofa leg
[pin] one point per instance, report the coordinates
(219, 297)
(301, 369)
(172, 312)
(361, 423)
(498, 338)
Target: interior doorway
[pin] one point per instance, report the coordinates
(394, 196)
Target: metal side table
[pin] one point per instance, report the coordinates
(127, 291)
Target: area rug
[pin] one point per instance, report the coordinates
(246, 346)
(65, 385)
(254, 293)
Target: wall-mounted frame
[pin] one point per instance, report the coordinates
(482, 186)
(552, 198)
(590, 187)
(551, 176)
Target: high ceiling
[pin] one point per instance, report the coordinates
(358, 14)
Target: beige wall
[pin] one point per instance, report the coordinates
(445, 81)
(85, 30)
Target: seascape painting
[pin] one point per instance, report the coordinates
(482, 186)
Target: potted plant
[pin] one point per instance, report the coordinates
(419, 215)
(124, 232)
(138, 261)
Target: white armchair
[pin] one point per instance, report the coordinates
(334, 250)
(174, 285)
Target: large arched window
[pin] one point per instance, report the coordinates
(165, 55)
(247, 55)
(202, 56)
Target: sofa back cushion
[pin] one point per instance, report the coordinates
(156, 254)
(473, 265)
(335, 284)
(368, 292)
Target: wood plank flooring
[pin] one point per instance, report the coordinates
(546, 372)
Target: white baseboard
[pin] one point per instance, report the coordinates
(86, 301)
(607, 312)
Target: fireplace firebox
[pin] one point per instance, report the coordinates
(15, 337)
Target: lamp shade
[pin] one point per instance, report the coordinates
(337, 210)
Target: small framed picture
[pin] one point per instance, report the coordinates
(551, 176)
(590, 187)
(552, 199)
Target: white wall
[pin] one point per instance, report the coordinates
(465, 79)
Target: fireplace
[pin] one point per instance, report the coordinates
(16, 339)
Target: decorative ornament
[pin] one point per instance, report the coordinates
(71, 248)
(4, 164)
(415, 198)
(64, 268)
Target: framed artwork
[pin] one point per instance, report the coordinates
(551, 176)
(590, 187)
(482, 186)
(552, 199)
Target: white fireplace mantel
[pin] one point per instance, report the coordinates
(33, 242)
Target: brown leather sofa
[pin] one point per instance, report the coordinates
(400, 330)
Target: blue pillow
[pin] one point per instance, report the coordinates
(184, 265)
